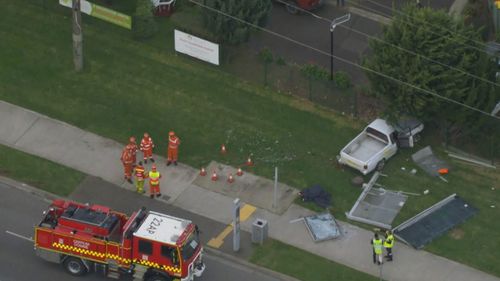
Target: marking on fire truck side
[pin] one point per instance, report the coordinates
(19, 236)
(245, 213)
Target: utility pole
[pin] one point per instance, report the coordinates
(335, 22)
(77, 36)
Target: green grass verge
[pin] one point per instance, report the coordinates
(130, 87)
(303, 265)
(38, 172)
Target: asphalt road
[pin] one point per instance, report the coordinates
(347, 44)
(316, 33)
(21, 210)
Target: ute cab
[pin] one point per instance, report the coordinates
(168, 244)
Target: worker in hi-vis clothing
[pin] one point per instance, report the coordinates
(139, 177)
(173, 148)
(146, 147)
(388, 244)
(132, 146)
(377, 249)
(154, 182)
(126, 159)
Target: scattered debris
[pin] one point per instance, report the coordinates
(317, 195)
(434, 221)
(296, 220)
(469, 158)
(322, 227)
(377, 206)
(426, 160)
(413, 171)
(443, 179)
(426, 191)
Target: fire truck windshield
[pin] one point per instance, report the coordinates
(192, 244)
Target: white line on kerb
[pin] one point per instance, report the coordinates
(19, 236)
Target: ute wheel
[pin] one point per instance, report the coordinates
(75, 266)
(291, 7)
(380, 165)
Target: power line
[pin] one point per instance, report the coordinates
(399, 47)
(343, 60)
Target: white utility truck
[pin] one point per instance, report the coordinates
(373, 146)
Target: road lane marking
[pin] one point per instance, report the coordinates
(245, 213)
(19, 236)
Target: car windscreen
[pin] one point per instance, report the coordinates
(191, 246)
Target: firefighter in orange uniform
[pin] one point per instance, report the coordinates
(132, 146)
(139, 177)
(154, 182)
(173, 148)
(146, 147)
(126, 159)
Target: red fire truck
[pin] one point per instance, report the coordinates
(295, 6)
(148, 245)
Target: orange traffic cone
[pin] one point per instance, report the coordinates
(239, 172)
(249, 161)
(203, 172)
(230, 179)
(214, 176)
(223, 149)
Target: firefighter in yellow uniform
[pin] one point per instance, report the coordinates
(139, 177)
(388, 244)
(154, 182)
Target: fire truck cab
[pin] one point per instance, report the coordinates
(148, 245)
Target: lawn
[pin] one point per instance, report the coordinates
(283, 258)
(129, 87)
(38, 172)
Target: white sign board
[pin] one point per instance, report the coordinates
(196, 47)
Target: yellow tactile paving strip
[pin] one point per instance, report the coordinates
(245, 212)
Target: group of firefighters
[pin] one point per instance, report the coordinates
(128, 159)
(378, 244)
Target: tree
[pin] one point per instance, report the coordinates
(266, 57)
(143, 23)
(313, 73)
(409, 30)
(230, 30)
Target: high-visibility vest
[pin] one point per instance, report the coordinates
(173, 142)
(389, 241)
(146, 143)
(132, 147)
(377, 246)
(154, 178)
(139, 173)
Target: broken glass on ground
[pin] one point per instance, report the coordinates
(322, 227)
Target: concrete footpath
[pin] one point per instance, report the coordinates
(97, 156)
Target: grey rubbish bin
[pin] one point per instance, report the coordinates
(259, 231)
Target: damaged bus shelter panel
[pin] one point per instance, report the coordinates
(377, 206)
(434, 222)
(322, 227)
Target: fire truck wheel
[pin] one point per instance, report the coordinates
(158, 278)
(75, 266)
